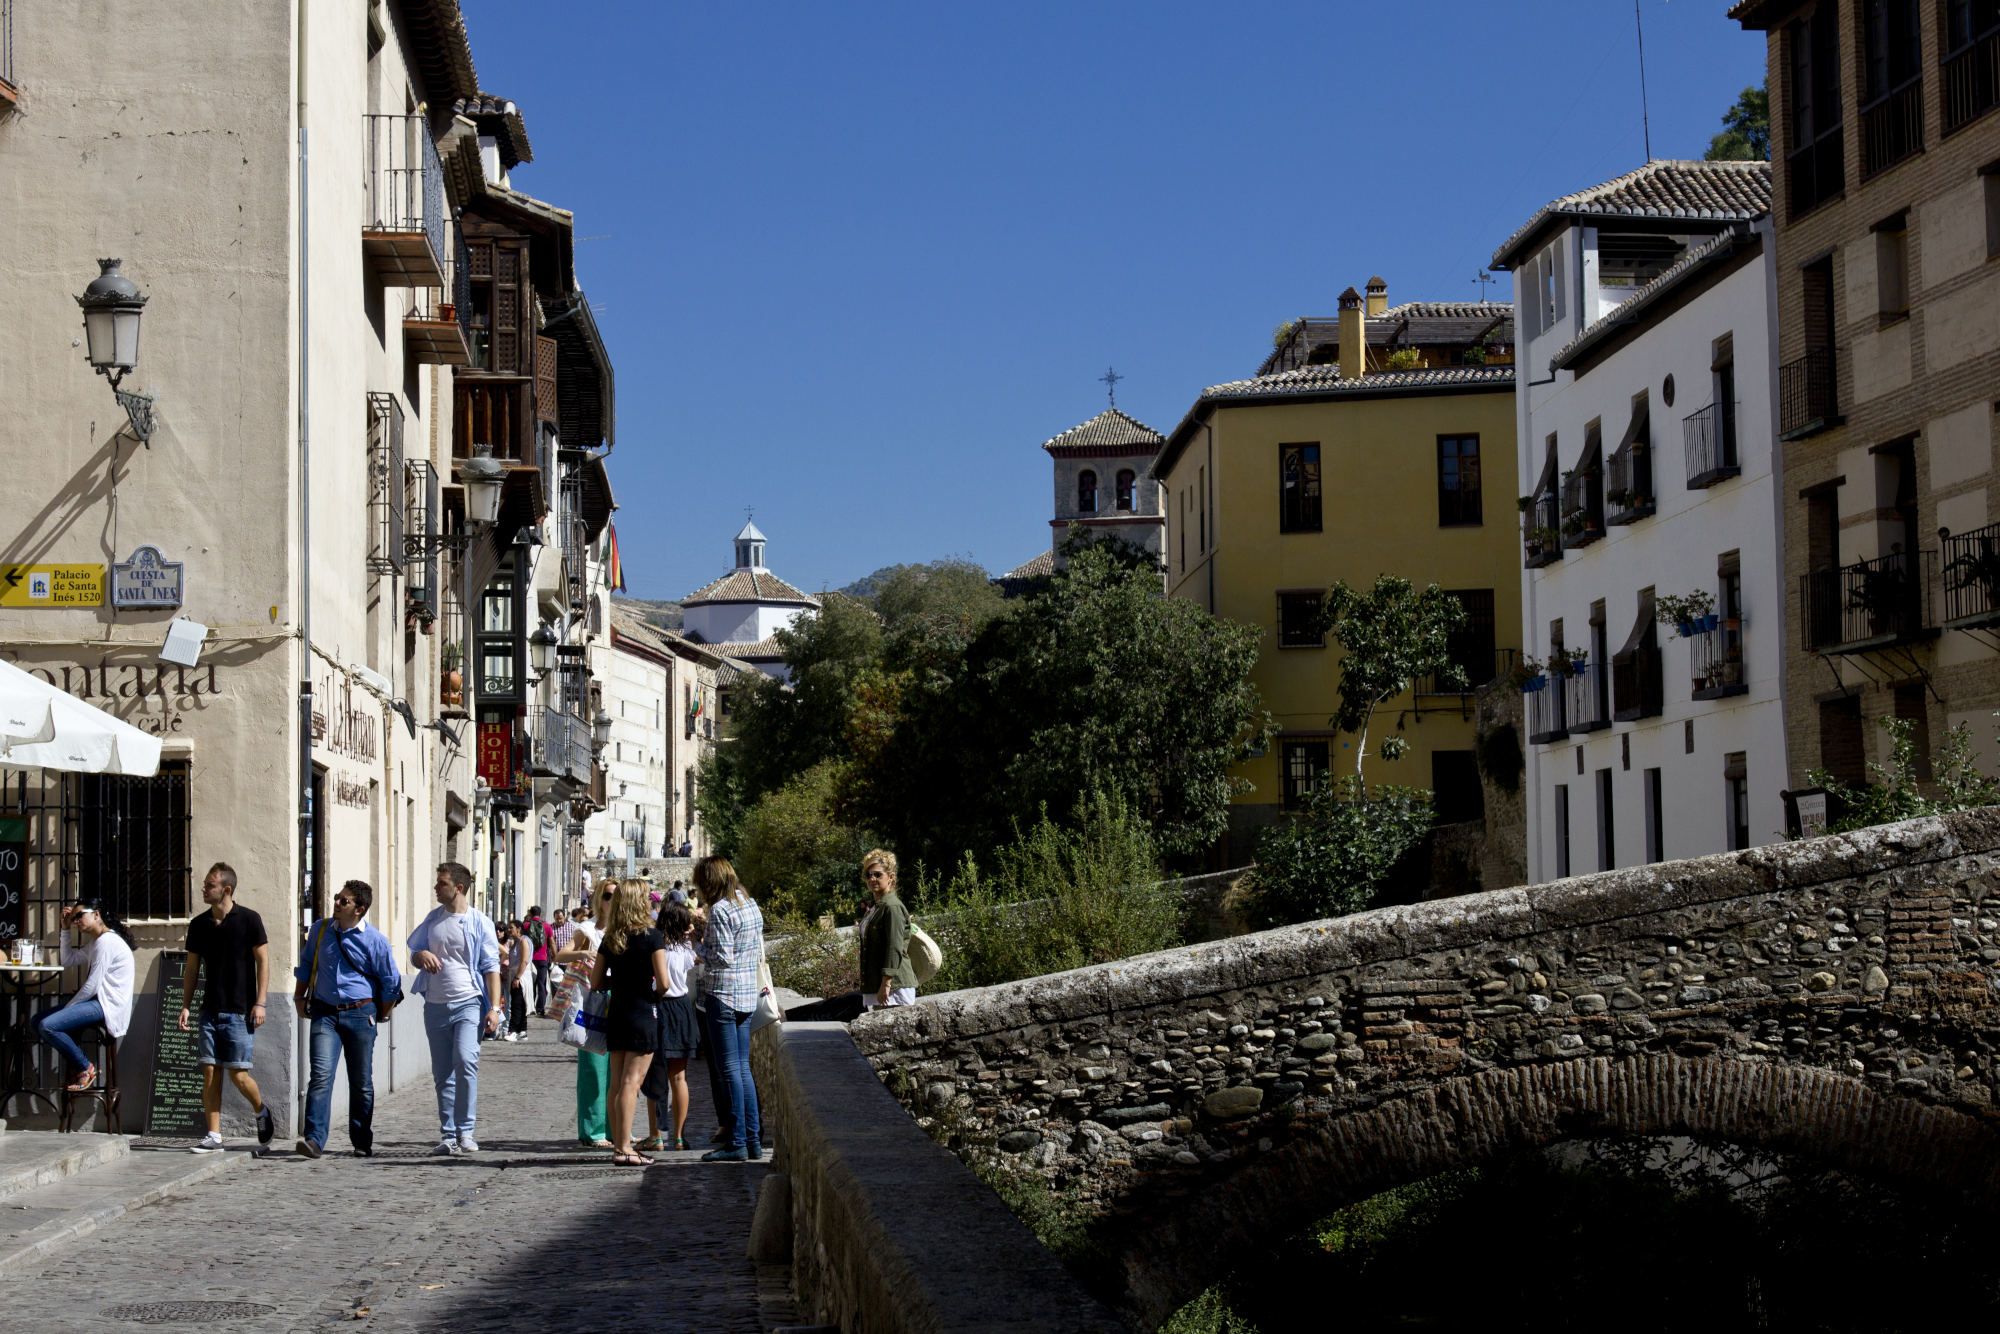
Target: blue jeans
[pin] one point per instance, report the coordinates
(53, 1027)
(730, 1029)
(349, 1033)
(453, 1031)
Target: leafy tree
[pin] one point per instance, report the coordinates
(930, 613)
(784, 730)
(1389, 636)
(1331, 857)
(795, 853)
(1746, 129)
(719, 797)
(1897, 790)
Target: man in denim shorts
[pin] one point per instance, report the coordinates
(228, 945)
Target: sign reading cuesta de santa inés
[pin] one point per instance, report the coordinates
(146, 580)
(496, 754)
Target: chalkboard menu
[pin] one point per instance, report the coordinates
(13, 893)
(176, 1105)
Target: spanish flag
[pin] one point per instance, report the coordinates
(614, 568)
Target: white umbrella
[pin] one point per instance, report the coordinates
(42, 727)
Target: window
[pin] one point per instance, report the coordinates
(1458, 480)
(1306, 764)
(1722, 374)
(1892, 271)
(132, 841)
(1892, 94)
(1736, 799)
(1989, 183)
(1457, 796)
(1607, 843)
(1298, 619)
(1910, 708)
(1471, 645)
(1655, 816)
(1562, 830)
(1201, 507)
(1813, 163)
(1298, 488)
(1842, 751)
(1971, 64)
(1806, 399)
(1086, 492)
(1126, 481)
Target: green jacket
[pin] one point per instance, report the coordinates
(885, 946)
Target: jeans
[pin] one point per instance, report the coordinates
(348, 1033)
(453, 1031)
(542, 987)
(593, 1074)
(53, 1027)
(730, 1028)
(225, 1040)
(718, 1089)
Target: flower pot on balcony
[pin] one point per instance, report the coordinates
(447, 312)
(1685, 629)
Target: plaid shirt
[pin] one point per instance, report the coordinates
(559, 936)
(732, 949)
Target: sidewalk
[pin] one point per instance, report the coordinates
(526, 1232)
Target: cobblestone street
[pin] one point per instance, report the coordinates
(528, 1233)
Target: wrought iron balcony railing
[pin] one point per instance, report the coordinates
(1476, 668)
(1638, 687)
(1892, 126)
(423, 518)
(1628, 484)
(1588, 706)
(1971, 576)
(1711, 445)
(8, 88)
(1716, 660)
(438, 328)
(1806, 401)
(1972, 80)
(1582, 509)
(1542, 542)
(403, 227)
(1869, 604)
(1817, 172)
(386, 542)
(558, 745)
(1547, 719)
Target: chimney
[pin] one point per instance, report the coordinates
(1378, 297)
(1353, 337)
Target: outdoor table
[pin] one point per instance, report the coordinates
(18, 985)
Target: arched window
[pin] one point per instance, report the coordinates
(1126, 478)
(1086, 492)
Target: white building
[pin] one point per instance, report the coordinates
(1649, 477)
(738, 615)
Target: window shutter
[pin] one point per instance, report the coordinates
(545, 379)
(507, 311)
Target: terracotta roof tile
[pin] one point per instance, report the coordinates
(1327, 380)
(748, 586)
(1694, 261)
(1110, 427)
(1665, 191)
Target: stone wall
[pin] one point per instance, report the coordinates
(1833, 997)
(887, 1231)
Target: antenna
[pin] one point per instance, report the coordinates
(1110, 380)
(1645, 117)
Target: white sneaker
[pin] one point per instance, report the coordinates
(446, 1148)
(210, 1143)
(467, 1144)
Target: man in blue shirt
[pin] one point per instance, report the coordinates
(347, 980)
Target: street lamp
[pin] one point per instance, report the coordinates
(112, 305)
(600, 730)
(542, 650)
(484, 477)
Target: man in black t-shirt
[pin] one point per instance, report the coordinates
(228, 945)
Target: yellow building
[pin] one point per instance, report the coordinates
(1332, 466)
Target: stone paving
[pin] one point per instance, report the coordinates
(529, 1232)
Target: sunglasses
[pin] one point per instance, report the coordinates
(343, 902)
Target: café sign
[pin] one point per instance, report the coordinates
(147, 580)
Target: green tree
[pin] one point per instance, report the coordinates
(931, 613)
(1330, 857)
(1746, 129)
(1897, 789)
(1389, 636)
(784, 730)
(796, 854)
(719, 797)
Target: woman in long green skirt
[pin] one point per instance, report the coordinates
(593, 1068)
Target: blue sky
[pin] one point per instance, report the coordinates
(855, 262)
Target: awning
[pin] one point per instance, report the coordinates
(1547, 483)
(1642, 626)
(42, 727)
(1636, 433)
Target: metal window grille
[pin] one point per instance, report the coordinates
(405, 179)
(123, 840)
(422, 527)
(385, 484)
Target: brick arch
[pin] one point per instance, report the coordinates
(1464, 1122)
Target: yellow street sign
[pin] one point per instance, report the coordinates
(51, 585)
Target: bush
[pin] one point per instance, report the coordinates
(814, 962)
(1331, 857)
(1061, 897)
(796, 855)
(1896, 792)
(1209, 1313)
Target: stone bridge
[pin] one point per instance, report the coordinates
(1834, 998)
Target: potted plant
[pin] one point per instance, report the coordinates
(1976, 570)
(448, 312)
(1544, 535)
(451, 686)
(1617, 495)
(1525, 503)
(1883, 591)
(1684, 610)
(1526, 675)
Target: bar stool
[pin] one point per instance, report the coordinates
(104, 1092)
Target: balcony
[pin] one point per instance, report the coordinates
(437, 329)
(1971, 577)
(1711, 445)
(1586, 706)
(1541, 544)
(1582, 509)
(1547, 720)
(1892, 127)
(402, 230)
(1638, 684)
(1716, 660)
(1867, 605)
(1971, 80)
(1816, 172)
(558, 746)
(386, 541)
(423, 516)
(1628, 484)
(1806, 403)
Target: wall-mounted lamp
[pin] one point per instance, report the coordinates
(542, 651)
(112, 305)
(600, 729)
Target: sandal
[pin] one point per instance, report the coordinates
(631, 1160)
(85, 1081)
(650, 1144)
(677, 1145)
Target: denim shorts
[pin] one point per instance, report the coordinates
(225, 1040)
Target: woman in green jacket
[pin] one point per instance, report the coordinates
(887, 976)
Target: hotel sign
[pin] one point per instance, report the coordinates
(147, 580)
(496, 754)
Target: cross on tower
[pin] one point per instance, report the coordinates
(749, 512)
(1110, 380)
(1484, 280)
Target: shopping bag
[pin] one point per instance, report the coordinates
(767, 1011)
(583, 1026)
(569, 994)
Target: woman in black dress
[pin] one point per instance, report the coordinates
(633, 965)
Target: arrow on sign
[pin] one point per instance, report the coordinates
(13, 577)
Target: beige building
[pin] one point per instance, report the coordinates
(289, 201)
(1885, 121)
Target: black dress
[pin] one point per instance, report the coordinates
(631, 1019)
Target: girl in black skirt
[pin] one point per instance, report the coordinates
(633, 963)
(666, 1080)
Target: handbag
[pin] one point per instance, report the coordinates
(925, 955)
(767, 1011)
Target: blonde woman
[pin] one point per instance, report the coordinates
(732, 947)
(887, 976)
(633, 964)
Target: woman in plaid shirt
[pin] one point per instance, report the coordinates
(732, 946)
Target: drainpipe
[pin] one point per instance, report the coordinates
(302, 1035)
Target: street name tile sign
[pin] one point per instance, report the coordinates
(51, 585)
(148, 579)
(176, 1105)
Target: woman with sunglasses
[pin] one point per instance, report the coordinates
(593, 1068)
(104, 946)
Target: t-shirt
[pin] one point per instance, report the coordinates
(589, 934)
(538, 932)
(228, 960)
(680, 962)
(451, 941)
(631, 972)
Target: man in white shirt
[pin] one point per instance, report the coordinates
(457, 954)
